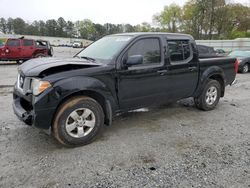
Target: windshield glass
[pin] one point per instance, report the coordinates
(2, 42)
(105, 48)
(240, 54)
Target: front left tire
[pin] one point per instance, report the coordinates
(78, 121)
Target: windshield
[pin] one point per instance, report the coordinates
(105, 48)
(240, 54)
(2, 42)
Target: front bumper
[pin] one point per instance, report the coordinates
(21, 113)
(35, 111)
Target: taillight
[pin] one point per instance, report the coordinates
(236, 66)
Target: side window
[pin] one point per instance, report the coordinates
(179, 50)
(13, 42)
(148, 48)
(175, 50)
(27, 42)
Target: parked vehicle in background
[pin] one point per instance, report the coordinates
(243, 58)
(206, 52)
(77, 44)
(76, 97)
(23, 49)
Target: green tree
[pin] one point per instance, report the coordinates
(100, 31)
(3, 25)
(32, 29)
(61, 27)
(85, 29)
(129, 28)
(170, 18)
(10, 26)
(51, 28)
(19, 26)
(70, 29)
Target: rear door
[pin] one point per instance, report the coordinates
(13, 47)
(182, 68)
(27, 48)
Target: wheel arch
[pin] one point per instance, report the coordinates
(214, 73)
(220, 79)
(103, 101)
(39, 52)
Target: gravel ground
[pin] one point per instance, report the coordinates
(167, 146)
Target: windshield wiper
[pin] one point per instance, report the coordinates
(88, 58)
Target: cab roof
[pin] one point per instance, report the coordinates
(168, 35)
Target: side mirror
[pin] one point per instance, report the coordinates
(134, 60)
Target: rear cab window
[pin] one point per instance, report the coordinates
(13, 42)
(179, 51)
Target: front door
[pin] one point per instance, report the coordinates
(143, 84)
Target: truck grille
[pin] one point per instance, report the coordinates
(23, 83)
(20, 81)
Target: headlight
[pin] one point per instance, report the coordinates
(39, 86)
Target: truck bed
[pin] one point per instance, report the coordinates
(226, 65)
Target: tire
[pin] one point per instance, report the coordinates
(50, 52)
(39, 56)
(19, 62)
(209, 97)
(245, 68)
(73, 126)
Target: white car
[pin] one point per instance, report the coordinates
(77, 44)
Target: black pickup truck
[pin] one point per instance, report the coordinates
(76, 97)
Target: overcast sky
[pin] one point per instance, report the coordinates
(99, 11)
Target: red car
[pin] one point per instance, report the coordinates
(22, 49)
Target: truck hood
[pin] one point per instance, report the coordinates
(39, 66)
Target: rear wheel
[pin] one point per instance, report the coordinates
(39, 56)
(78, 121)
(245, 68)
(210, 96)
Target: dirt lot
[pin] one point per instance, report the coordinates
(168, 146)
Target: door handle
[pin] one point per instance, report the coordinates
(162, 72)
(192, 68)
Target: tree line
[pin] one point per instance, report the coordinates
(204, 19)
(61, 28)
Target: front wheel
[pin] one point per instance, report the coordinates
(209, 97)
(20, 61)
(78, 121)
